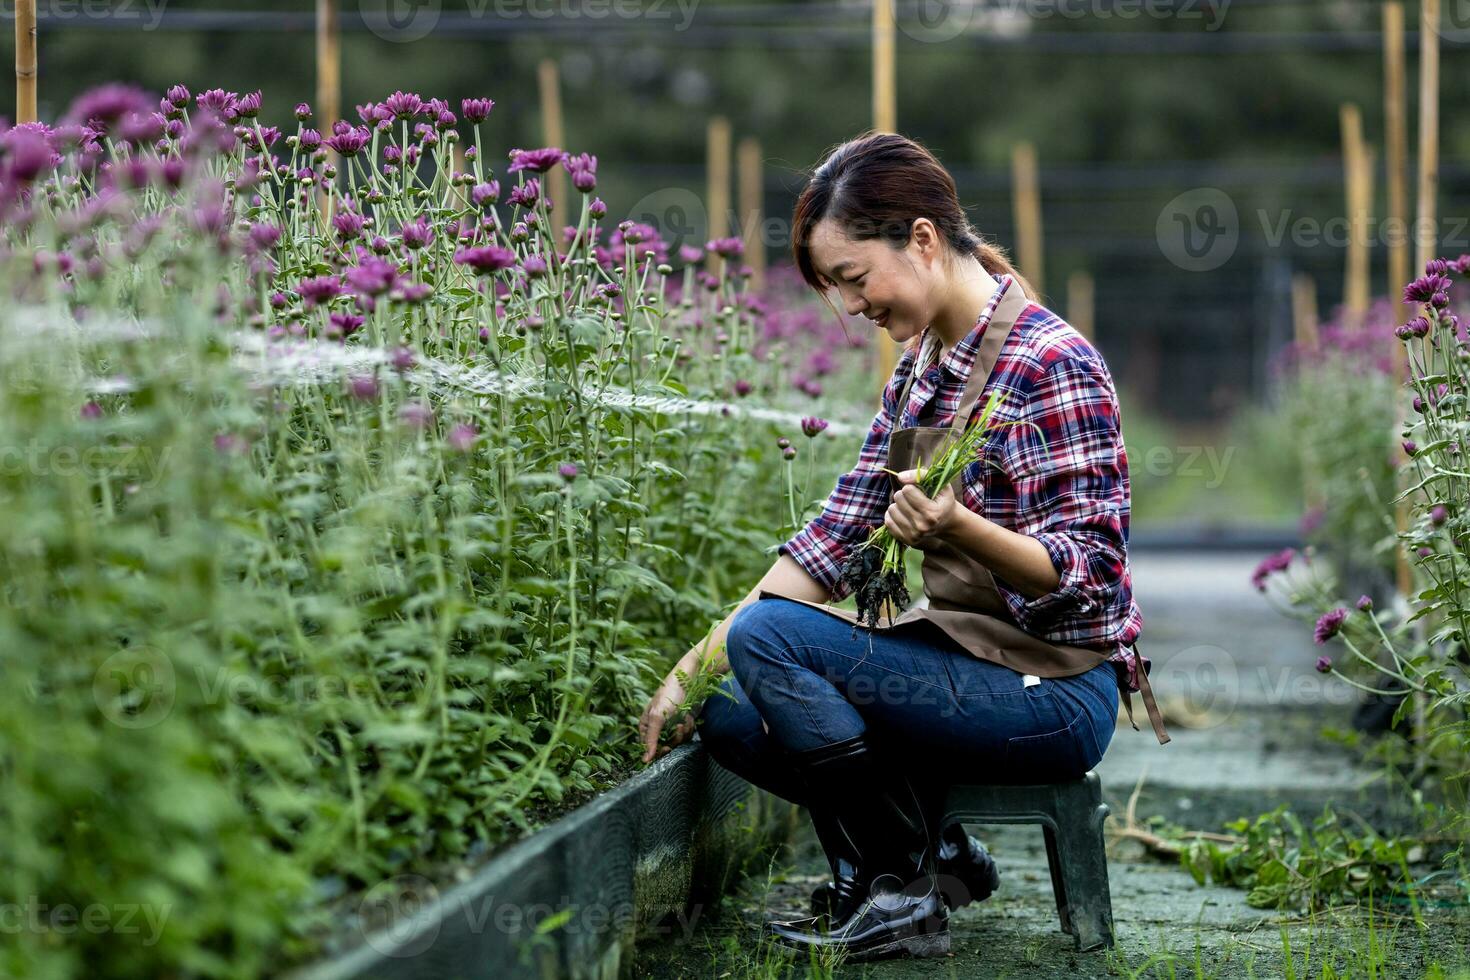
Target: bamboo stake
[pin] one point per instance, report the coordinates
(1428, 234)
(885, 120)
(553, 134)
(1355, 274)
(1080, 302)
(1027, 205)
(25, 61)
(717, 170)
(1396, 138)
(885, 112)
(328, 65)
(752, 187)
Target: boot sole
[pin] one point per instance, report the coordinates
(932, 944)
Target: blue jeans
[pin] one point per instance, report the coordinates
(950, 715)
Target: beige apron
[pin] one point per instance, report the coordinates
(962, 597)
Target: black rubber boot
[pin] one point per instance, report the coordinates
(890, 904)
(967, 873)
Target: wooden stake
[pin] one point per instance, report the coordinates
(885, 113)
(885, 120)
(25, 61)
(717, 170)
(553, 135)
(1396, 139)
(752, 196)
(328, 66)
(1080, 302)
(1027, 205)
(1355, 275)
(1427, 234)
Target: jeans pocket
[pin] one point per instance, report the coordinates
(1053, 756)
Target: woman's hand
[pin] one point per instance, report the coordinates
(916, 520)
(665, 701)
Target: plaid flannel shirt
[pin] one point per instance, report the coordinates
(1066, 486)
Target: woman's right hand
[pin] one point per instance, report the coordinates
(665, 701)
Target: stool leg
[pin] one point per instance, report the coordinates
(1083, 863)
(1058, 882)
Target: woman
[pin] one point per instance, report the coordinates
(1010, 669)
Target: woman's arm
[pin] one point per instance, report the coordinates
(1017, 558)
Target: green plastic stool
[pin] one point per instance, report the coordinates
(1071, 815)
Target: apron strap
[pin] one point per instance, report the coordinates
(1146, 690)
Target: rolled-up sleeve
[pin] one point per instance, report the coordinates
(1068, 467)
(856, 504)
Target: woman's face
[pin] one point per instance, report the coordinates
(889, 286)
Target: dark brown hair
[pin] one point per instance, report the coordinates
(874, 186)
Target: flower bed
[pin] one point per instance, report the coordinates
(351, 510)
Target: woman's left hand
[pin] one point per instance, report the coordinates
(916, 520)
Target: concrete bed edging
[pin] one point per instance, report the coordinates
(665, 843)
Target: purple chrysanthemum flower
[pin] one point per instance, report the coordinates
(411, 292)
(402, 358)
(1365, 603)
(1423, 289)
(418, 233)
(597, 210)
(91, 410)
(534, 266)
(363, 387)
(318, 290)
(220, 102)
(416, 415)
(538, 161)
(526, 194)
(1462, 265)
(309, 140)
(488, 192)
(1329, 624)
(104, 105)
(1324, 665)
(568, 471)
(302, 111)
(248, 105)
(345, 324)
(372, 276)
(743, 387)
(475, 110)
(583, 168)
(349, 225)
(1278, 562)
(730, 248)
(486, 258)
(264, 236)
(404, 105)
(1439, 515)
(178, 95)
(690, 254)
(351, 141)
(462, 437)
(811, 426)
(1410, 447)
